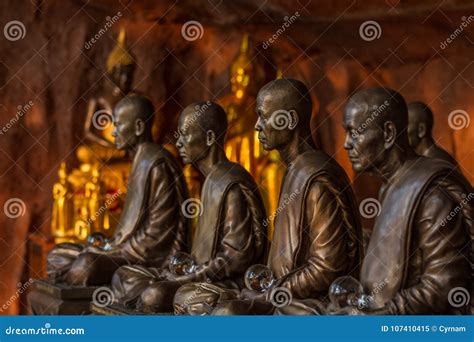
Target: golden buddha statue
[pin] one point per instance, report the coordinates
(90, 186)
(242, 145)
(93, 201)
(81, 226)
(98, 125)
(63, 208)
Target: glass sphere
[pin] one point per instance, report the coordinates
(182, 264)
(97, 240)
(345, 291)
(259, 278)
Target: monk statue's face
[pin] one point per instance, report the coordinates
(127, 127)
(364, 138)
(275, 125)
(192, 141)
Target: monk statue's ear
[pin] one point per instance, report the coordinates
(139, 127)
(390, 134)
(210, 138)
(421, 130)
(293, 119)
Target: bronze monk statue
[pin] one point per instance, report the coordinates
(151, 226)
(420, 252)
(229, 236)
(317, 235)
(420, 126)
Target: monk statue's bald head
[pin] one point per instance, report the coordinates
(375, 121)
(420, 123)
(133, 118)
(420, 136)
(202, 126)
(284, 110)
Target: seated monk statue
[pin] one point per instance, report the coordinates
(419, 258)
(420, 137)
(317, 234)
(229, 236)
(151, 226)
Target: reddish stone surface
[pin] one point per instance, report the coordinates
(51, 68)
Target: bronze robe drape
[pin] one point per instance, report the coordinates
(151, 227)
(317, 234)
(419, 251)
(229, 238)
(421, 247)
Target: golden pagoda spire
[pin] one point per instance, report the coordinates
(120, 55)
(279, 73)
(244, 45)
(241, 69)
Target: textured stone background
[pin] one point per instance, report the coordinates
(51, 68)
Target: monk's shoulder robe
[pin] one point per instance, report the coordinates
(421, 246)
(151, 225)
(229, 238)
(317, 234)
(437, 152)
(230, 235)
(162, 229)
